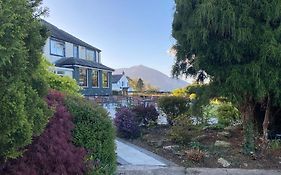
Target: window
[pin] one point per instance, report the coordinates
(75, 51)
(91, 55)
(83, 79)
(57, 48)
(95, 78)
(122, 83)
(105, 82)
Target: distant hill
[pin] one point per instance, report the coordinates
(152, 77)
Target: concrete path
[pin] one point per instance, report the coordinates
(129, 154)
(160, 170)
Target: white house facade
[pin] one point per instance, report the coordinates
(79, 60)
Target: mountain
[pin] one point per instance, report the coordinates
(152, 77)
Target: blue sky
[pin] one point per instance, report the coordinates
(129, 32)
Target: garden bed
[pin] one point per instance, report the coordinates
(157, 140)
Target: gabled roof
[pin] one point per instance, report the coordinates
(64, 36)
(116, 78)
(71, 61)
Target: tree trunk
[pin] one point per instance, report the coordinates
(266, 121)
(247, 111)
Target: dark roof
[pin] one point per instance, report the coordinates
(116, 78)
(81, 62)
(64, 36)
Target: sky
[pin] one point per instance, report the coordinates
(129, 32)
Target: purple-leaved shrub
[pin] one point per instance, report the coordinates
(126, 123)
(53, 151)
(146, 114)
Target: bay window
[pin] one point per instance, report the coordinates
(83, 79)
(105, 79)
(95, 78)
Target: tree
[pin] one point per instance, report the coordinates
(237, 44)
(23, 112)
(140, 85)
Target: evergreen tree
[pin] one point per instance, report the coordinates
(237, 43)
(140, 85)
(23, 113)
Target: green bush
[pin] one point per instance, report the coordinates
(182, 130)
(23, 113)
(63, 84)
(227, 114)
(173, 106)
(93, 131)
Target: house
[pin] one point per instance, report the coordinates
(120, 83)
(79, 60)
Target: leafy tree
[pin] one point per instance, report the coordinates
(140, 85)
(22, 109)
(237, 44)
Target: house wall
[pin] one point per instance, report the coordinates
(68, 52)
(118, 86)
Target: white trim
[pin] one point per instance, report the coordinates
(75, 65)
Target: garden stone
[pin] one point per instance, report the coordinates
(220, 143)
(223, 162)
(201, 137)
(157, 143)
(224, 134)
(171, 147)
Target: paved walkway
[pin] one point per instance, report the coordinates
(157, 170)
(129, 154)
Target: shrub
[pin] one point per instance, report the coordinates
(93, 131)
(126, 123)
(22, 109)
(146, 114)
(182, 129)
(227, 114)
(195, 155)
(52, 152)
(173, 106)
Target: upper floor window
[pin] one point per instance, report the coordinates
(57, 47)
(75, 51)
(91, 55)
(105, 79)
(83, 78)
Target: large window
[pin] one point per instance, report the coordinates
(75, 51)
(105, 80)
(91, 55)
(83, 79)
(57, 48)
(95, 78)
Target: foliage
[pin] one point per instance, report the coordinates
(182, 129)
(93, 131)
(53, 151)
(236, 44)
(227, 114)
(275, 144)
(63, 83)
(173, 106)
(195, 155)
(180, 92)
(140, 85)
(146, 115)
(126, 123)
(22, 109)
(249, 145)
